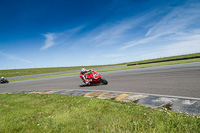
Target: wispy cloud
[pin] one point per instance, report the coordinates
(114, 33)
(172, 27)
(14, 57)
(176, 28)
(53, 39)
(119, 31)
(178, 48)
(110, 33)
(49, 42)
(186, 44)
(142, 41)
(178, 20)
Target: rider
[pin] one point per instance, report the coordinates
(84, 75)
(2, 79)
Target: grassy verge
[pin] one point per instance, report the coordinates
(66, 113)
(119, 68)
(23, 72)
(33, 71)
(151, 65)
(49, 76)
(167, 58)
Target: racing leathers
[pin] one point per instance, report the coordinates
(84, 77)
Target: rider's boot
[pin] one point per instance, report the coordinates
(87, 83)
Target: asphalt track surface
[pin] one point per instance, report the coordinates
(181, 80)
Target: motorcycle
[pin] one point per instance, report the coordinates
(94, 78)
(3, 81)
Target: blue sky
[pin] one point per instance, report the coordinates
(56, 33)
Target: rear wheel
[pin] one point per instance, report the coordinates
(103, 81)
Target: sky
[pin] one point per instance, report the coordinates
(62, 33)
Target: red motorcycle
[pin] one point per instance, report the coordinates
(94, 78)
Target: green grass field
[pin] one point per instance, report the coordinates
(65, 113)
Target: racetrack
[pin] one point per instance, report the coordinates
(175, 80)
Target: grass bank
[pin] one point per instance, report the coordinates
(33, 71)
(151, 65)
(66, 113)
(166, 59)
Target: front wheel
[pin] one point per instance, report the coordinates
(103, 81)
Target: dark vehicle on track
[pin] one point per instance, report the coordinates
(3, 80)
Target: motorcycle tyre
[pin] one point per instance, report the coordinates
(103, 81)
